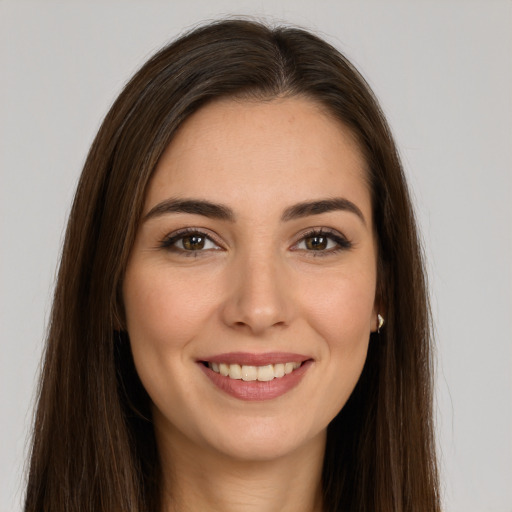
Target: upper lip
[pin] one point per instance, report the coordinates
(250, 359)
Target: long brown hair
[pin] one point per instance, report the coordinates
(93, 443)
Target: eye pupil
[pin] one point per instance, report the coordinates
(316, 243)
(193, 242)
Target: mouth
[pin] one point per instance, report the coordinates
(250, 373)
(256, 377)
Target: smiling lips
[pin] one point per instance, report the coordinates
(256, 377)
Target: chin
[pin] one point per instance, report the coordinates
(259, 450)
(261, 441)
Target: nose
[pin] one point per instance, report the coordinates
(258, 298)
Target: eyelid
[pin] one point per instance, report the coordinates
(169, 239)
(343, 243)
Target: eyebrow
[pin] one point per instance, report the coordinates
(308, 208)
(194, 206)
(222, 212)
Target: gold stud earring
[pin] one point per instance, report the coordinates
(380, 320)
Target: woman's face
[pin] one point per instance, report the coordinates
(255, 258)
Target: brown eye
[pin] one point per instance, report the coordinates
(322, 243)
(193, 242)
(316, 243)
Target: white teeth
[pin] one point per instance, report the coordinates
(249, 373)
(288, 368)
(279, 370)
(252, 373)
(235, 371)
(266, 373)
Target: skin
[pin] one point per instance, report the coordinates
(257, 287)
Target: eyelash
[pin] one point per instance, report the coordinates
(342, 243)
(169, 241)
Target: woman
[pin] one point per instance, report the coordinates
(240, 231)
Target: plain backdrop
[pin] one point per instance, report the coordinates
(443, 72)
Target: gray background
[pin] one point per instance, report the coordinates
(443, 72)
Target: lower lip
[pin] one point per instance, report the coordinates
(255, 390)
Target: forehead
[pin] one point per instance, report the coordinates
(267, 153)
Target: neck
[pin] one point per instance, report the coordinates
(202, 479)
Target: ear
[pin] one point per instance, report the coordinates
(378, 320)
(378, 314)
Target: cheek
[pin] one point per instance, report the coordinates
(164, 314)
(341, 312)
(341, 307)
(162, 309)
